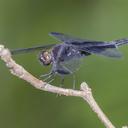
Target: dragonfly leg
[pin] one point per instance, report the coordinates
(74, 81)
(48, 77)
(62, 81)
(45, 75)
(51, 80)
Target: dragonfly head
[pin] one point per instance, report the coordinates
(45, 58)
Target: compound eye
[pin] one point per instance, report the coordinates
(45, 58)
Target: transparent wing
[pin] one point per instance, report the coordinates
(27, 50)
(112, 53)
(72, 60)
(71, 65)
(108, 52)
(66, 38)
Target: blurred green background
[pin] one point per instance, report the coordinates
(26, 23)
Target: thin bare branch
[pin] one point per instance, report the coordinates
(125, 127)
(84, 92)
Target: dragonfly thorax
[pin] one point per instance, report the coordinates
(45, 58)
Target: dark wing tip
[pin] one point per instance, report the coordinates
(55, 33)
(59, 36)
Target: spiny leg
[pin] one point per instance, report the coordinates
(45, 75)
(48, 77)
(51, 80)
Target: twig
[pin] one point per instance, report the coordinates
(85, 92)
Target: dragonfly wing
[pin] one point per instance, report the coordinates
(108, 52)
(72, 60)
(71, 65)
(27, 50)
(80, 43)
(112, 53)
(66, 38)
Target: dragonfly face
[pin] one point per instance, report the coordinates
(45, 58)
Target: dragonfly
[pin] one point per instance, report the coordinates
(66, 56)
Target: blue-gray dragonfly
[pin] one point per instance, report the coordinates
(65, 57)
